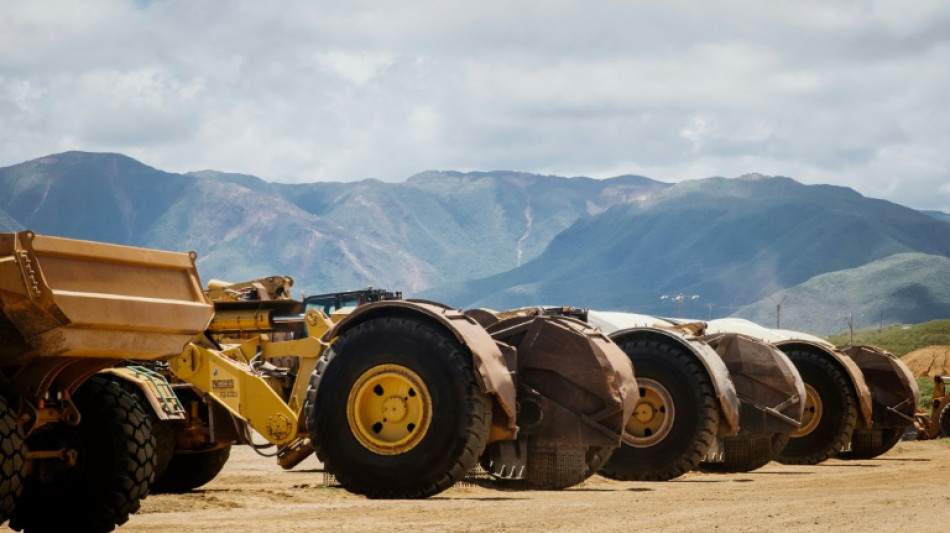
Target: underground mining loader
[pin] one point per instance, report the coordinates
(563, 416)
(859, 399)
(726, 402)
(720, 402)
(399, 399)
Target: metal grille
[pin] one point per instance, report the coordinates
(556, 465)
(745, 451)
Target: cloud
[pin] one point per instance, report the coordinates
(825, 92)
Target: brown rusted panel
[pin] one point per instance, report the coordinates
(768, 385)
(485, 317)
(581, 382)
(493, 373)
(892, 386)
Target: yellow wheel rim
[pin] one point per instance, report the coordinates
(389, 409)
(812, 414)
(653, 415)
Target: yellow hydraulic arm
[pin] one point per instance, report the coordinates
(229, 377)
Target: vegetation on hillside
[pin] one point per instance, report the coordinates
(926, 386)
(900, 339)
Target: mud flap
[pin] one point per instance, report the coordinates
(769, 388)
(893, 389)
(576, 390)
(894, 397)
(772, 397)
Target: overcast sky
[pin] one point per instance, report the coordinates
(855, 93)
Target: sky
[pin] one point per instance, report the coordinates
(851, 93)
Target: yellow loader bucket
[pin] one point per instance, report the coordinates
(70, 298)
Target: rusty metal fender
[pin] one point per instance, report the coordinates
(492, 372)
(716, 369)
(893, 387)
(787, 339)
(766, 381)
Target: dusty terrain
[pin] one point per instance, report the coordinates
(899, 491)
(929, 361)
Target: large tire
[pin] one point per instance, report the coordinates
(745, 453)
(868, 444)
(164, 431)
(190, 469)
(944, 421)
(11, 460)
(398, 412)
(668, 374)
(831, 411)
(115, 458)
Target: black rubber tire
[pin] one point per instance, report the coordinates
(190, 469)
(164, 431)
(944, 421)
(741, 455)
(839, 410)
(461, 412)
(695, 424)
(11, 460)
(112, 474)
(865, 447)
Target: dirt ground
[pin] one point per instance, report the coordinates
(899, 491)
(929, 361)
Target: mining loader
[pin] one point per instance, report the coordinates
(936, 424)
(399, 398)
(859, 399)
(727, 402)
(722, 402)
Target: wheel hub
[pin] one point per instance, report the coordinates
(389, 409)
(394, 409)
(652, 417)
(812, 415)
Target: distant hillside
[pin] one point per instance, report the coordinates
(906, 288)
(900, 339)
(436, 228)
(939, 215)
(506, 239)
(731, 241)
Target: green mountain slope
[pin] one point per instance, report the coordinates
(900, 339)
(731, 241)
(906, 288)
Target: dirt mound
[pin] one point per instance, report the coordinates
(929, 361)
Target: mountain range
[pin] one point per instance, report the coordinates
(506, 239)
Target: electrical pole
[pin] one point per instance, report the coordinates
(851, 327)
(680, 298)
(778, 311)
